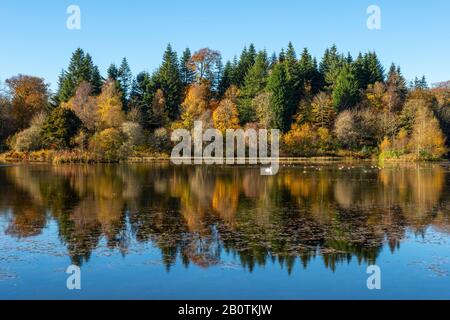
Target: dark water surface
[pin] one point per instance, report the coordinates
(161, 231)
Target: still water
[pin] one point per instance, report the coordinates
(157, 231)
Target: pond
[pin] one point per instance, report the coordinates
(159, 231)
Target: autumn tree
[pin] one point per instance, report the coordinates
(322, 111)
(194, 105)
(29, 96)
(396, 89)
(159, 116)
(226, 115)
(204, 63)
(85, 106)
(6, 121)
(346, 130)
(107, 145)
(110, 106)
(427, 140)
(374, 96)
(29, 139)
(261, 105)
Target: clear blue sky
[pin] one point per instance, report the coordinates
(34, 38)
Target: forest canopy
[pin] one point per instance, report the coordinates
(336, 106)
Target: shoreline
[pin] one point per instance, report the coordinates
(248, 161)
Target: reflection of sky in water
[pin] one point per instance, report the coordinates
(165, 232)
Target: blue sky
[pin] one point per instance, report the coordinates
(34, 38)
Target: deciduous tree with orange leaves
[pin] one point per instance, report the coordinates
(29, 96)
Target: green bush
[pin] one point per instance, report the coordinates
(59, 129)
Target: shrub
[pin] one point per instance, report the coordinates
(59, 129)
(107, 145)
(133, 133)
(159, 140)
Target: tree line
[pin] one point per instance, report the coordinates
(339, 106)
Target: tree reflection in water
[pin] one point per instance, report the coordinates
(197, 213)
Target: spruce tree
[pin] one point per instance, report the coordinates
(169, 81)
(226, 80)
(112, 72)
(331, 65)
(187, 74)
(368, 69)
(278, 86)
(59, 128)
(141, 96)
(309, 74)
(294, 78)
(346, 89)
(396, 88)
(246, 61)
(255, 81)
(81, 68)
(125, 78)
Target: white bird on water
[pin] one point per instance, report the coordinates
(268, 170)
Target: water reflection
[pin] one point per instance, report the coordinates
(195, 214)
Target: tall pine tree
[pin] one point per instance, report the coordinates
(255, 81)
(346, 89)
(187, 74)
(169, 81)
(81, 68)
(278, 87)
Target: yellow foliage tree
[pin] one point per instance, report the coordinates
(110, 106)
(375, 95)
(322, 111)
(427, 140)
(194, 105)
(299, 141)
(385, 145)
(226, 116)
